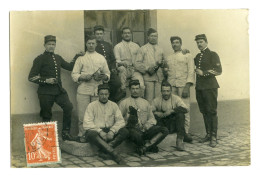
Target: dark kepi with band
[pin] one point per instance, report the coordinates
(48, 38)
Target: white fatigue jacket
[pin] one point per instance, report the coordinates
(181, 69)
(161, 105)
(145, 115)
(126, 52)
(99, 115)
(147, 57)
(89, 64)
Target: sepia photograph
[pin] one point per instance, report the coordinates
(129, 88)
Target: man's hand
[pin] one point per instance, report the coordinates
(152, 70)
(122, 64)
(185, 51)
(168, 112)
(186, 92)
(141, 69)
(110, 136)
(51, 81)
(81, 53)
(199, 72)
(84, 77)
(103, 135)
(159, 114)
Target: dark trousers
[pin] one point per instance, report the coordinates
(174, 123)
(207, 101)
(139, 137)
(62, 99)
(93, 138)
(114, 84)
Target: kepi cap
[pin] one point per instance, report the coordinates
(48, 38)
(201, 36)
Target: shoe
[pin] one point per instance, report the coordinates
(118, 159)
(104, 156)
(141, 151)
(180, 144)
(187, 138)
(205, 139)
(213, 142)
(81, 139)
(67, 136)
(154, 149)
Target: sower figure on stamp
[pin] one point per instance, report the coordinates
(169, 111)
(89, 71)
(144, 132)
(181, 76)
(125, 53)
(207, 67)
(46, 72)
(104, 48)
(104, 124)
(149, 62)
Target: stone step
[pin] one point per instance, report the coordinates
(87, 149)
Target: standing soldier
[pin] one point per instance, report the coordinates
(149, 59)
(89, 71)
(125, 53)
(104, 48)
(181, 77)
(46, 72)
(207, 67)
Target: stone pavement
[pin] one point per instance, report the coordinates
(233, 150)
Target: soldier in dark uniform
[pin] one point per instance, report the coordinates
(46, 72)
(104, 48)
(207, 67)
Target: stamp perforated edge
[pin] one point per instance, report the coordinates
(57, 143)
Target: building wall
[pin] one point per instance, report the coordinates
(27, 31)
(227, 33)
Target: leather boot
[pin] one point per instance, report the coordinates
(154, 141)
(108, 149)
(205, 139)
(180, 144)
(67, 136)
(117, 141)
(187, 138)
(213, 142)
(207, 127)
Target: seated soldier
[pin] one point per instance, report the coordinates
(141, 123)
(169, 111)
(104, 124)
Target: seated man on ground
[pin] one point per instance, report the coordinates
(140, 120)
(104, 124)
(169, 111)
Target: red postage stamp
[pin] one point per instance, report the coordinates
(41, 143)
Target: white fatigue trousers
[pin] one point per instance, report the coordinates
(82, 103)
(178, 91)
(152, 90)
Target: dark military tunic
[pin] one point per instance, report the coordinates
(104, 48)
(48, 65)
(209, 62)
(207, 88)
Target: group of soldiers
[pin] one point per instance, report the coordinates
(130, 92)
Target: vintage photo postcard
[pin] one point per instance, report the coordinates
(129, 88)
